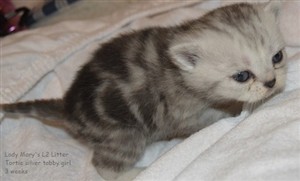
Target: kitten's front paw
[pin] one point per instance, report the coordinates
(108, 174)
(130, 174)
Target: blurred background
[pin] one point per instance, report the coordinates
(78, 10)
(17, 15)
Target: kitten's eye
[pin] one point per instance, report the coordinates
(242, 76)
(277, 58)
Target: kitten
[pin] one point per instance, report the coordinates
(162, 83)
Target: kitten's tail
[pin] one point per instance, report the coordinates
(50, 109)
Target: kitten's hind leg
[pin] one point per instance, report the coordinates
(121, 150)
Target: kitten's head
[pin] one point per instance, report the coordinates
(233, 53)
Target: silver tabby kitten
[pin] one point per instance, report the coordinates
(162, 83)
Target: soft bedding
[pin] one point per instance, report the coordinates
(41, 63)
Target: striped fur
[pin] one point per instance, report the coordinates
(162, 83)
(45, 109)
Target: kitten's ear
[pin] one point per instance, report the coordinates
(185, 56)
(273, 6)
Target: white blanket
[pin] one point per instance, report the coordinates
(41, 63)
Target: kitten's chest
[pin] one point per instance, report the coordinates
(184, 107)
(179, 115)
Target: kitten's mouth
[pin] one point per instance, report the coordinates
(261, 98)
(269, 94)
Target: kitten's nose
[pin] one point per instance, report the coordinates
(270, 84)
